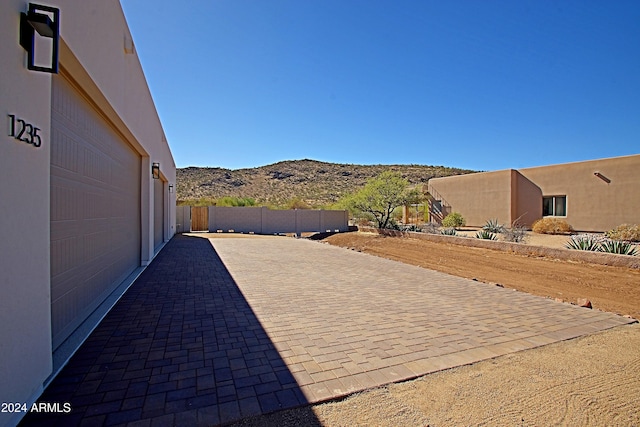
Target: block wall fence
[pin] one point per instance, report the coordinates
(261, 220)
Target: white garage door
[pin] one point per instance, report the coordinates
(95, 210)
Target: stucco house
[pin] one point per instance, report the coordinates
(595, 195)
(87, 182)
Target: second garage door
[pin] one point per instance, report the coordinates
(95, 209)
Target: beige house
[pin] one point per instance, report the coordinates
(594, 195)
(87, 179)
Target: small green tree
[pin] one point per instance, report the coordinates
(380, 196)
(454, 220)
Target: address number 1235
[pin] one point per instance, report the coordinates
(23, 131)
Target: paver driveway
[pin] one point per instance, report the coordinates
(344, 321)
(209, 336)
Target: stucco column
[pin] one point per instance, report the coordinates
(146, 211)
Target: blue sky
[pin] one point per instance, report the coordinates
(483, 85)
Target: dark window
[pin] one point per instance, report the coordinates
(554, 206)
(547, 206)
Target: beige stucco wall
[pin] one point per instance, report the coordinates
(477, 197)
(592, 203)
(526, 200)
(25, 319)
(94, 34)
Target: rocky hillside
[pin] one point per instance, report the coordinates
(316, 183)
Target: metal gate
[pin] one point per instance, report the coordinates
(199, 218)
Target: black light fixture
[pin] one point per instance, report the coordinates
(35, 21)
(602, 177)
(155, 170)
(170, 188)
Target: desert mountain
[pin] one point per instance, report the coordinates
(316, 183)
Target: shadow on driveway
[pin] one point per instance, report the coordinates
(182, 347)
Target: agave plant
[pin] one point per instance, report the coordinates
(493, 226)
(485, 234)
(583, 243)
(449, 231)
(618, 247)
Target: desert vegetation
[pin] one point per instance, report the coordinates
(517, 233)
(486, 235)
(449, 231)
(601, 243)
(300, 182)
(493, 226)
(492, 230)
(550, 225)
(380, 197)
(625, 233)
(453, 220)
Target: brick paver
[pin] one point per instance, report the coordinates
(348, 321)
(208, 336)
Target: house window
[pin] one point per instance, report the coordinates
(554, 206)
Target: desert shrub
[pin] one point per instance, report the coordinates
(392, 225)
(450, 231)
(583, 242)
(362, 221)
(493, 226)
(625, 232)
(551, 226)
(410, 227)
(235, 201)
(485, 234)
(431, 228)
(516, 234)
(297, 203)
(453, 220)
(618, 247)
(202, 201)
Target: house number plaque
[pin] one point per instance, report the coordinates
(23, 131)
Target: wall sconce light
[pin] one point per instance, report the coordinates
(602, 177)
(155, 170)
(33, 21)
(170, 188)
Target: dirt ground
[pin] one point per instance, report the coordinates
(589, 381)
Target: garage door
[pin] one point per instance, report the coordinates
(95, 210)
(158, 213)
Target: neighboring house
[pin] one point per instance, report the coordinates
(81, 213)
(595, 195)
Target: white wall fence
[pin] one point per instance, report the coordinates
(261, 220)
